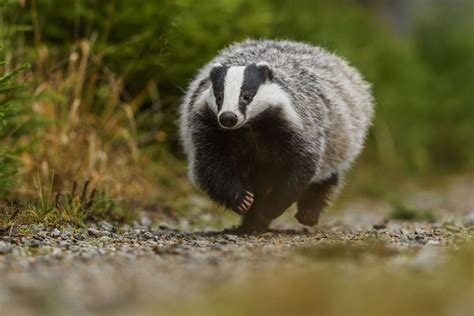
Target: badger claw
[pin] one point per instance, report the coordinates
(244, 203)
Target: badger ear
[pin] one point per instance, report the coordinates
(265, 70)
(216, 68)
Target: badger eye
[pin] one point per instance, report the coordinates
(246, 97)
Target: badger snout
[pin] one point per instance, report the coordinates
(228, 119)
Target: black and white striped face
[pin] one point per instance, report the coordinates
(240, 93)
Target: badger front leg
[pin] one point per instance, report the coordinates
(217, 175)
(315, 199)
(264, 210)
(270, 202)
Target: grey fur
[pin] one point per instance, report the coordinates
(332, 99)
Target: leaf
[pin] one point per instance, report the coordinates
(10, 75)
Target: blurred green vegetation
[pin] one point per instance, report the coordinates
(6, 112)
(8, 99)
(422, 79)
(139, 56)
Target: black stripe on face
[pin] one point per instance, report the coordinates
(218, 75)
(254, 76)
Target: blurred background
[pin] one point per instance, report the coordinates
(93, 89)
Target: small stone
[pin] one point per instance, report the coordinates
(5, 247)
(66, 235)
(420, 239)
(64, 243)
(34, 243)
(105, 239)
(55, 233)
(148, 235)
(106, 233)
(166, 227)
(404, 232)
(38, 228)
(379, 226)
(216, 247)
(229, 237)
(101, 251)
(87, 255)
(94, 232)
(145, 221)
(106, 226)
(468, 220)
(41, 235)
(57, 253)
(451, 228)
(133, 234)
(169, 250)
(79, 236)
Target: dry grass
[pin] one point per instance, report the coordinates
(84, 130)
(88, 132)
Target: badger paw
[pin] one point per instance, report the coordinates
(244, 202)
(307, 218)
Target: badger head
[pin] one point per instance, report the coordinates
(238, 94)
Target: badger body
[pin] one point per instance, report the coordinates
(269, 123)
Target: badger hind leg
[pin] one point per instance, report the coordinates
(315, 199)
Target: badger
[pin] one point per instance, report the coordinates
(268, 123)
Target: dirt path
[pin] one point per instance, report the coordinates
(351, 265)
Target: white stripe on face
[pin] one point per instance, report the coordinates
(272, 95)
(232, 86)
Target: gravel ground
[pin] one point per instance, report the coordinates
(108, 269)
(99, 269)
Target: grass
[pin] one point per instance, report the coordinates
(79, 127)
(77, 207)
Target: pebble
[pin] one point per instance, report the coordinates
(468, 220)
(64, 243)
(231, 237)
(166, 227)
(79, 236)
(379, 226)
(105, 239)
(5, 247)
(106, 226)
(452, 228)
(34, 243)
(148, 235)
(94, 232)
(145, 221)
(57, 253)
(55, 233)
(132, 234)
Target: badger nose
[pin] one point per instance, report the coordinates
(228, 119)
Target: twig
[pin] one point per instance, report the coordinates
(84, 191)
(73, 190)
(56, 200)
(11, 232)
